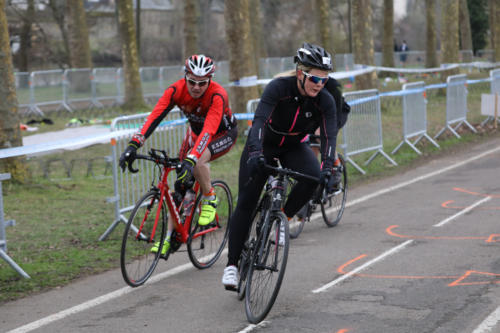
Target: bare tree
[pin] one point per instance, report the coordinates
(190, 28)
(324, 25)
(256, 33)
(10, 133)
(495, 29)
(388, 38)
(363, 41)
(240, 52)
(133, 90)
(79, 47)
(465, 31)
(449, 34)
(430, 54)
(26, 34)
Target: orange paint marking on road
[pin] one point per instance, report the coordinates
(493, 238)
(468, 274)
(459, 189)
(343, 330)
(341, 267)
(390, 231)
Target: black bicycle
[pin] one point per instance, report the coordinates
(332, 204)
(265, 253)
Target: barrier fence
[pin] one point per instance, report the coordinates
(495, 90)
(72, 89)
(3, 237)
(414, 116)
(456, 105)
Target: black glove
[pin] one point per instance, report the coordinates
(185, 177)
(334, 181)
(128, 155)
(256, 162)
(324, 177)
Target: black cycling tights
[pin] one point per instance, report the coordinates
(299, 158)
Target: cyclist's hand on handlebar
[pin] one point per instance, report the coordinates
(185, 177)
(324, 176)
(128, 157)
(256, 162)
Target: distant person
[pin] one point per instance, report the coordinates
(403, 49)
(396, 46)
(212, 133)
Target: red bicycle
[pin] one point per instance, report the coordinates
(147, 224)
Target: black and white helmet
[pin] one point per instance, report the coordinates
(315, 56)
(199, 65)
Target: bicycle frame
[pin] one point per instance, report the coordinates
(181, 226)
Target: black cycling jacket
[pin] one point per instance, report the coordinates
(284, 117)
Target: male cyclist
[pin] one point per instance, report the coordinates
(213, 131)
(290, 108)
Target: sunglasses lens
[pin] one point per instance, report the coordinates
(199, 83)
(317, 79)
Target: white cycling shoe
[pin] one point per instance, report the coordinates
(230, 278)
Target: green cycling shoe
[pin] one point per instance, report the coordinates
(208, 210)
(164, 249)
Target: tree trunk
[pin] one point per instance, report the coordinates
(10, 133)
(256, 33)
(431, 60)
(138, 27)
(79, 47)
(130, 60)
(190, 28)
(449, 35)
(492, 9)
(388, 39)
(465, 30)
(495, 28)
(240, 52)
(324, 25)
(58, 8)
(25, 45)
(363, 42)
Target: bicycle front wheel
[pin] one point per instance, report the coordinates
(137, 261)
(206, 243)
(267, 268)
(333, 205)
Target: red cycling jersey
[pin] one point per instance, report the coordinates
(207, 115)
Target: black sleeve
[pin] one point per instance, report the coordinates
(328, 130)
(267, 103)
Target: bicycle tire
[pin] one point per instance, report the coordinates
(137, 262)
(332, 207)
(267, 268)
(206, 243)
(245, 253)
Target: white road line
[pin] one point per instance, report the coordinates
(362, 267)
(462, 212)
(489, 323)
(123, 291)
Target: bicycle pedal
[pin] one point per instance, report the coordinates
(231, 288)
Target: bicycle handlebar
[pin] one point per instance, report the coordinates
(289, 172)
(153, 156)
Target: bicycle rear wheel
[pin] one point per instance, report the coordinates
(332, 206)
(267, 268)
(136, 260)
(206, 243)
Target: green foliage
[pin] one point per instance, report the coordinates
(478, 23)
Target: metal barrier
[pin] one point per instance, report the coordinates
(3, 238)
(105, 86)
(151, 85)
(46, 88)
(365, 114)
(129, 187)
(77, 87)
(495, 89)
(414, 116)
(456, 105)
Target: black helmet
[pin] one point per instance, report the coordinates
(314, 56)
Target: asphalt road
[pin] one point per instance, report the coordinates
(418, 252)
